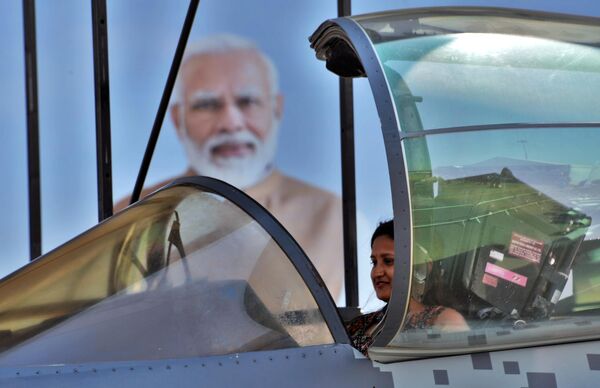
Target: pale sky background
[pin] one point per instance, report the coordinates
(142, 40)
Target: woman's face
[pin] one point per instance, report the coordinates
(382, 272)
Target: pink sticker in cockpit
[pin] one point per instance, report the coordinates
(506, 274)
(490, 280)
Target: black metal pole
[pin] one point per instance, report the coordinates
(103, 146)
(33, 143)
(348, 179)
(164, 101)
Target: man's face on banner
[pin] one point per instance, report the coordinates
(228, 116)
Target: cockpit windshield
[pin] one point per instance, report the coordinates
(499, 130)
(184, 273)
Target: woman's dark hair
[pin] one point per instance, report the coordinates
(385, 228)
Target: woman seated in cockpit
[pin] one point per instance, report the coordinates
(362, 329)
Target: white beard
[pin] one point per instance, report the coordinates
(239, 171)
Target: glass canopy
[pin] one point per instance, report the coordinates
(473, 70)
(184, 273)
(491, 127)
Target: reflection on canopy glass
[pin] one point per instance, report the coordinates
(512, 239)
(492, 70)
(185, 273)
(506, 213)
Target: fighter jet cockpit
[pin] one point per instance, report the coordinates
(488, 123)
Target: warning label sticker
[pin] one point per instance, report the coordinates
(496, 255)
(490, 280)
(506, 274)
(526, 248)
